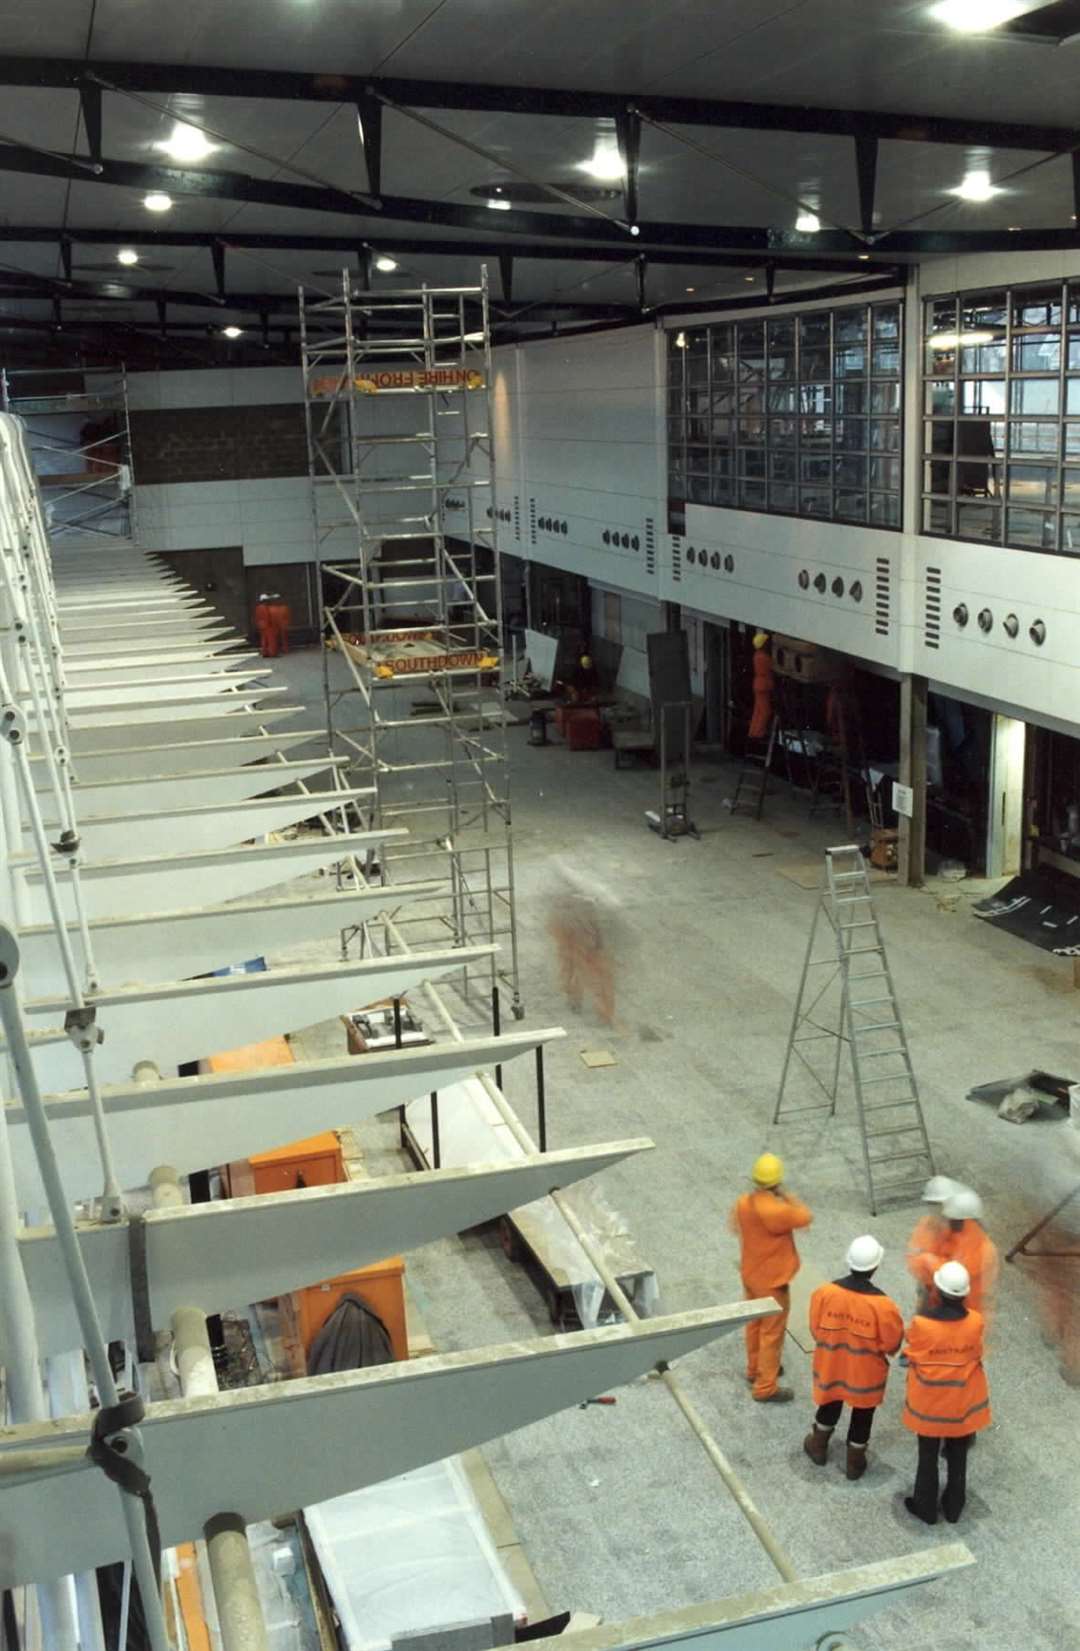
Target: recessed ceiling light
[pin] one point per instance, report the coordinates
(977, 16)
(186, 144)
(863, 257)
(127, 255)
(1014, 229)
(606, 164)
(500, 206)
(691, 289)
(748, 277)
(976, 186)
(386, 264)
(232, 332)
(808, 223)
(157, 202)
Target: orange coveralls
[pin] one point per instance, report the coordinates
(934, 1242)
(768, 1261)
(280, 620)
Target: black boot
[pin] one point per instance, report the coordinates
(913, 1508)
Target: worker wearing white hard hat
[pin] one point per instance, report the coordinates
(947, 1400)
(924, 1250)
(856, 1329)
(958, 1235)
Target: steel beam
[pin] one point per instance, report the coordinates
(102, 731)
(121, 888)
(96, 643)
(215, 787)
(176, 945)
(134, 762)
(156, 688)
(284, 1242)
(263, 1451)
(174, 664)
(174, 1021)
(193, 1122)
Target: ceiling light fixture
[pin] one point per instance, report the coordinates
(976, 187)
(808, 223)
(680, 341)
(606, 164)
(691, 289)
(127, 255)
(977, 16)
(186, 144)
(748, 277)
(385, 264)
(233, 332)
(157, 202)
(500, 206)
(863, 257)
(950, 340)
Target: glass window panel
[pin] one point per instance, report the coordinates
(885, 509)
(697, 460)
(983, 395)
(885, 435)
(851, 506)
(722, 360)
(1033, 484)
(751, 431)
(724, 398)
(1072, 395)
(815, 432)
(938, 477)
(886, 359)
(849, 326)
(815, 468)
(1072, 439)
(751, 461)
(782, 398)
(885, 398)
(851, 434)
(697, 429)
(781, 337)
(939, 436)
(782, 496)
(980, 438)
(722, 339)
(940, 316)
(750, 336)
(1074, 301)
(815, 398)
(885, 473)
(697, 356)
(676, 475)
(1037, 352)
(939, 397)
(782, 432)
(815, 346)
(886, 320)
(698, 489)
(976, 480)
(983, 310)
(1030, 437)
(1070, 487)
(937, 516)
(782, 468)
(1074, 351)
(850, 361)
(1070, 535)
(752, 495)
(1037, 307)
(1035, 395)
(721, 463)
(850, 470)
(721, 432)
(978, 521)
(1032, 527)
(675, 401)
(981, 352)
(815, 501)
(722, 490)
(850, 398)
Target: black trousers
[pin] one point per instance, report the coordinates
(862, 1420)
(926, 1477)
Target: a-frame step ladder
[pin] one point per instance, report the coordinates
(846, 948)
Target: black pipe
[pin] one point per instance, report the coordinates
(496, 1027)
(436, 1154)
(541, 1099)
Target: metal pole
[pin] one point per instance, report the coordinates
(496, 1020)
(75, 1267)
(541, 1099)
(436, 1153)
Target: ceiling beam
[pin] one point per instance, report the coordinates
(330, 87)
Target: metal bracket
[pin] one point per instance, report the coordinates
(82, 1028)
(68, 843)
(13, 725)
(9, 956)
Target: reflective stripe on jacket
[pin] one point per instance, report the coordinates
(856, 1328)
(764, 1222)
(947, 1393)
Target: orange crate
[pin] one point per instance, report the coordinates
(315, 1162)
(380, 1286)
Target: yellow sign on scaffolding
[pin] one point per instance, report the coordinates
(400, 378)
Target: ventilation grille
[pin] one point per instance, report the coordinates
(882, 596)
(932, 624)
(532, 521)
(517, 517)
(650, 545)
(676, 560)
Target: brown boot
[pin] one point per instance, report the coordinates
(816, 1444)
(856, 1461)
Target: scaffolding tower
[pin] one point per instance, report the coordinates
(397, 389)
(79, 434)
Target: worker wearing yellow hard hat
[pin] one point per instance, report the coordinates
(765, 1220)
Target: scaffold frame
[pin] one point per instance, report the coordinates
(95, 501)
(397, 400)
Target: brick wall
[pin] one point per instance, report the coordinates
(214, 444)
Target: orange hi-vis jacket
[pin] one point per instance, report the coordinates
(765, 1221)
(947, 1394)
(856, 1329)
(969, 1244)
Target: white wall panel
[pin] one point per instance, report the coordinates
(215, 387)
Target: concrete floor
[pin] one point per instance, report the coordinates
(619, 1510)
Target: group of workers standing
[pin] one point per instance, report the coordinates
(856, 1329)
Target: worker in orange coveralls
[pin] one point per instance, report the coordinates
(761, 718)
(964, 1239)
(280, 620)
(263, 624)
(765, 1220)
(856, 1329)
(929, 1231)
(947, 1400)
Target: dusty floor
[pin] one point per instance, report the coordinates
(619, 1509)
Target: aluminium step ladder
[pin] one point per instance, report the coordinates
(846, 948)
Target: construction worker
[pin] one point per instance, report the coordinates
(761, 717)
(947, 1400)
(856, 1330)
(280, 620)
(924, 1245)
(263, 624)
(962, 1237)
(768, 1260)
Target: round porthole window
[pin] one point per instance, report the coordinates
(804, 579)
(838, 587)
(691, 555)
(715, 560)
(1011, 624)
(819, 583)
(856, 591)
(960, 614)
(1037, 633)
(986, 619)
(729, 564)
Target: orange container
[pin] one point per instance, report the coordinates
(380, 1287)
(315, 1162)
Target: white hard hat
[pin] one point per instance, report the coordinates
(864, 1254)
(938, 1188)
(963, 1205)
(953, 1279)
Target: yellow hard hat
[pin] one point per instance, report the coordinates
(760, 638)
(768, 1170)
(586, 662)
